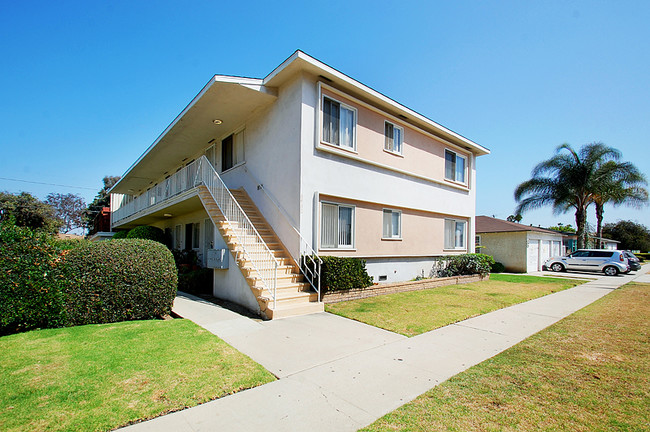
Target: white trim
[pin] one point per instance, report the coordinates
(354, 131)
(465, 169)
(464, 247)
(401, 144)
(335, 150)
(353, 236)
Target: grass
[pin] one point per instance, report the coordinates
(99, 377)
(588, 372)
(416, 312)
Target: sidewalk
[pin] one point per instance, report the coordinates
(338, 374)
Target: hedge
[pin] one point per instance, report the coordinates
(146, 232)
(465, 264)
(338, 273)
(30, 295)
(120, 235)
(104, 284)
(497, 267)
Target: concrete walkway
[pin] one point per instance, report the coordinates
(340, 375)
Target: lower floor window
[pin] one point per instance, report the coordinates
(337, 226)
(455, 233)
(392, 224)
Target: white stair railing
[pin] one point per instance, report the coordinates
(254, 249)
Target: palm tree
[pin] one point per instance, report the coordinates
(566, 181)
(618, 183)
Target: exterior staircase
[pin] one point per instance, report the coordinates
(293, 294)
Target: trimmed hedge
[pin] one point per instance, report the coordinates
(497, 267)
(460, 265)
(120, 235)
(338, 273)
(118, 281)
(146, 232)
(30, 295)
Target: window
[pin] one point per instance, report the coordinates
(232, 150)
(455, 234)
(337, 226)
(392, 224)
(393, 138)
(455, 166)
(477, 240)
(339, 122)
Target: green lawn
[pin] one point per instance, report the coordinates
(417, 312)
(588, 372)
(99, 377)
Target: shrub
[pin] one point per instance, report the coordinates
(497, 267)
(146, 232)
(120, 235)
(339, 273)
(196, 281)
(465, 264)
(103, 285)
(30, 295)
(643, 256)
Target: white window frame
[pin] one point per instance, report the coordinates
(465, 171)
(453, 223)
(354, 124)
(391, 148)
(238, 146)
(390, 213)
(352, 227)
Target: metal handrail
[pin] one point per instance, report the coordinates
(255, 250)
(309, 263)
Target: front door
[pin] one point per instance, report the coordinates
(208, 239)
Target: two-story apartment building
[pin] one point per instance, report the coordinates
(306, 161)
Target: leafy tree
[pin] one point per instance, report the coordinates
(632, 235)
(102, 199)
(514, 218)
(28, 211)
(563, 228)
(618, 183)
(69, 208)
(566, 181)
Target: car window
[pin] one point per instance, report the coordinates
(600, 254)
(579, 254)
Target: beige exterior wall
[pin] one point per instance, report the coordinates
(422, 233)
(421, 153)
(508, 248)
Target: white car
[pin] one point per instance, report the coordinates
(610, 262)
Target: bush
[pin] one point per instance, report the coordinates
(339, 273)
(497, 267)
(643, 256)
(120, 235)
(30, 295)
(465, 264)
(196, 281)
(146, 232)
(103, 285)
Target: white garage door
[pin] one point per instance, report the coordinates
(533, 255)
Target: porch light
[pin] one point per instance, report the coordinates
(217, 121)
(167, 215)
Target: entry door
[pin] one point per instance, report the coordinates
(533, 256)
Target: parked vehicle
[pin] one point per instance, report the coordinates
(610, 262)
(632, 261)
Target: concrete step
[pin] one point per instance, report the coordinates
(285, 311)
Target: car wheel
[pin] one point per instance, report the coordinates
(557, 267)
(610, 271)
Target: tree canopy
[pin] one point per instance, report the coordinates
(632, 235)
(102, 199)
(28, 211)
(69, 208)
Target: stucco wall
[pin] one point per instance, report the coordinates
(508, 248)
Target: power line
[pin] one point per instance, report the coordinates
(47, 184)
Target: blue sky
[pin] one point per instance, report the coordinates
(86, 87)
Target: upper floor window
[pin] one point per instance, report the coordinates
(339, 123)
(393, 137)
(455, 233)
(337, 226)
(392, 224)
(232, 150)
(455, 165)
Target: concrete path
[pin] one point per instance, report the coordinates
(340, 375)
